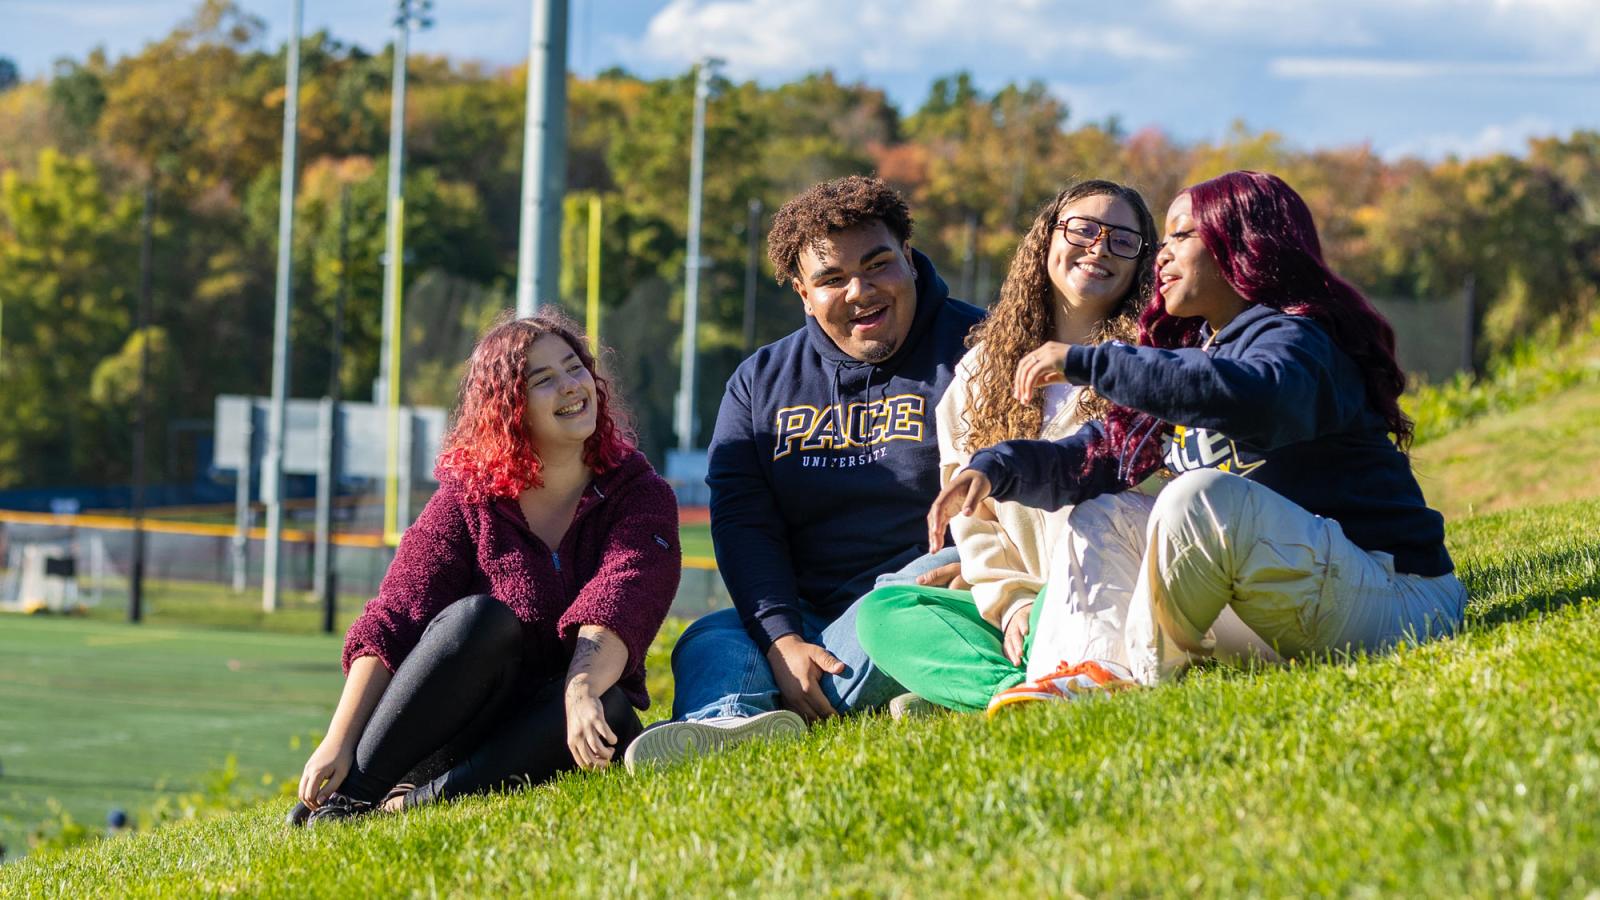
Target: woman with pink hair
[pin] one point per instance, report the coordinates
(1267, 388)
(508, 638)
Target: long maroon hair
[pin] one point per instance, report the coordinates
(1264, 241)
(489, 450)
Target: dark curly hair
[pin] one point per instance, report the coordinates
(827, 208)
(1023, 319)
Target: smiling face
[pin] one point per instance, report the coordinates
(861, 288)
(1187, 276)
(561, 395)
(1091, 280)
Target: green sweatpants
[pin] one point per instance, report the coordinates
(933, 642)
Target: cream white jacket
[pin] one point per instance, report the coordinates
(1005, 548)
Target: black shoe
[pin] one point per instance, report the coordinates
(402, 789)
(298, 814)
(339, 808)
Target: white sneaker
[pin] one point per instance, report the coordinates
(911, 706)
(670, 742)
(1070, 681)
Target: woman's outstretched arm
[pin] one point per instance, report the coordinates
(598, 659)
(330, 762)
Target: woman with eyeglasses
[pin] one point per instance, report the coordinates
(1268, 386)
(1080, 276)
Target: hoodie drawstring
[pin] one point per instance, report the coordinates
(1125, 462)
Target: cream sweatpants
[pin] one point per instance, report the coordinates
(1220, 566)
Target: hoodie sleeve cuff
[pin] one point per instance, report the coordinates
(991, 465)
(770, 624)
(1079, 365)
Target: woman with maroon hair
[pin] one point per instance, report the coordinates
(1268, 386)
(507, 640)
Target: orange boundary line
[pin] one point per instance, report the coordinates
(193, 529)
(202, 529)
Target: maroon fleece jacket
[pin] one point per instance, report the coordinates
(617, 566)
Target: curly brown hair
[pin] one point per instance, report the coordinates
(832, 206)
(1022, 320)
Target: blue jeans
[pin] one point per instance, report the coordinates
(718, 670)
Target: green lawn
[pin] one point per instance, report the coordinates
(209, 605)
(1470, 766)
(696, 540)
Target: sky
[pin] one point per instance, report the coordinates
(1425, 78)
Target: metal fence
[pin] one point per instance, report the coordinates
(201, 556)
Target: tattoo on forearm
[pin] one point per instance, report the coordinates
(584, 654)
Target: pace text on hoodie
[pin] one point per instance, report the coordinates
(822, 467)
(1271, 398)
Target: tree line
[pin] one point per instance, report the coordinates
(196, 119)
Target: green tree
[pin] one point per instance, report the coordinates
(68, 264)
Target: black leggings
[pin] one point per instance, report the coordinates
(455, 722)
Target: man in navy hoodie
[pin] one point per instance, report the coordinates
(821, 470)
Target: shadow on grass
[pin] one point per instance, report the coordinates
(1514, 589)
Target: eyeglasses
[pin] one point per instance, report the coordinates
(1081, 231)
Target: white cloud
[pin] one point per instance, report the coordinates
(1271, 22)
(101, 16)
(1355, 67)
(1567, 30)
(1508, 137)
(780, 37)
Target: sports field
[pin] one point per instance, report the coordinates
(102, 715)
(99, 715)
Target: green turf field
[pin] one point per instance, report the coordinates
(696, 540)
(100, 714)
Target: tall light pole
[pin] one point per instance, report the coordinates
(544, 157)
(408, 13)
(272, 465)
(704, 71)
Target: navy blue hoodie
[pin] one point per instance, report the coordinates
(805, 514)
(1271, 398)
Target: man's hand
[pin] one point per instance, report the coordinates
(1046, 365)
(945, 576)
(798, 667)
(962, 495)
(1017, 633)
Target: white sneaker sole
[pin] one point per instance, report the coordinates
(673, 742)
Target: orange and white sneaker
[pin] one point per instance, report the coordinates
(1068, 682)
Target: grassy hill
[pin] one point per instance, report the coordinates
(1470, 766)
(1544, 452)
(1526, 434)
